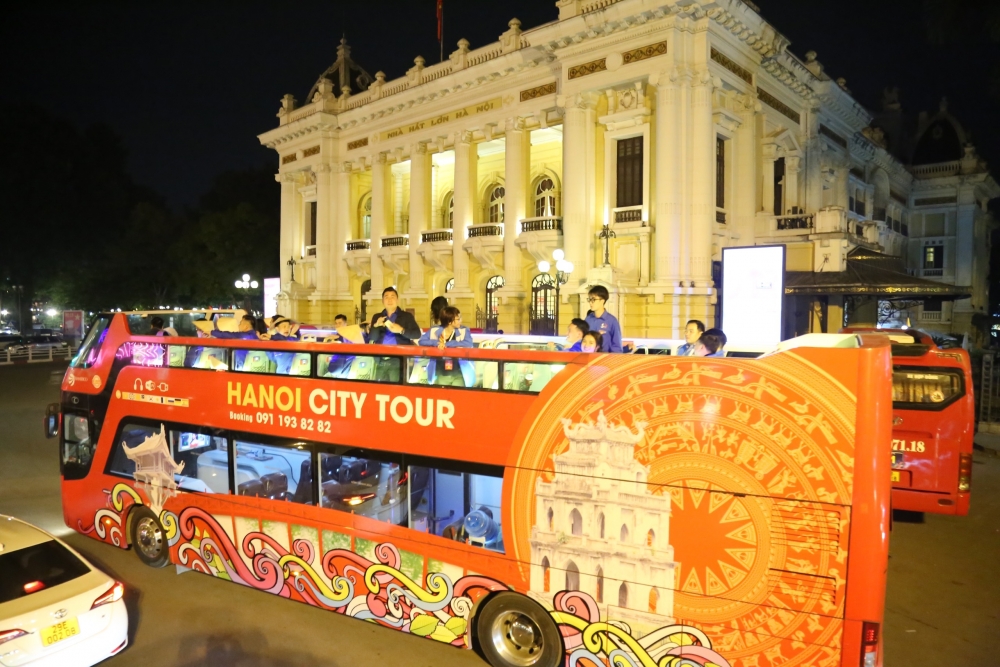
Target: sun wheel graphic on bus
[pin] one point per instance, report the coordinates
(600, 531)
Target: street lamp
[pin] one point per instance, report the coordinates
(245, 284)
(564, 267)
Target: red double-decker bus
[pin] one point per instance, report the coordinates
(551, 508)
(933, 423)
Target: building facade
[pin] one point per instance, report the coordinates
(641, 137)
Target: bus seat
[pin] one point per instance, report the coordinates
(420, 371)
(352, 472)
(303, 491)
(256, 362)
(363, 368)
(330, 465)
(419, 476)
(300, 364)
(275, 485)
(253, 487)
(370, 470)
(176, 356)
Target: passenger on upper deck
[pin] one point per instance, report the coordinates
(450, 333)
(574, 335)
(283, 329)
(721, 352)
(602, 321)
(247, 330)
(156, 327)
(393, 326)
(591, 342)
(338, 322)
(692, 332)
(708, 345)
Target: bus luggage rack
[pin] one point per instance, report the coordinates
(29, 355)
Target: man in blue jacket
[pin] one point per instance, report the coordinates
(602, 321)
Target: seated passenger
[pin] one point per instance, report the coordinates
(591, 342)
(450, 333)
(721, 352)
(247, 330)
(283, 329)
(338, 322)
(156, 327)
(709, 345)
(574, 335)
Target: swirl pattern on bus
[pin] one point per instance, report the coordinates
(756, 459)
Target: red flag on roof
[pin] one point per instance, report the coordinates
(440, 18)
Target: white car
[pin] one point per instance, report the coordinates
(56, 609)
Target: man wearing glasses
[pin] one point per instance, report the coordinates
(601, 320)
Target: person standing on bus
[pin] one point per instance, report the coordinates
(246, 330)
(602, 321)
(393, 326)
(692, 332)
(437, 305)
(449, 333)
(156, 327)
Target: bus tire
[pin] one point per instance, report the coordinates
(515, 631)
(149, 540)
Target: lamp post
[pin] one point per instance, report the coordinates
(607, 234)
(246, 284)
(564, 267)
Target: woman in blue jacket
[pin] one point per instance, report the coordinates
(449, 333)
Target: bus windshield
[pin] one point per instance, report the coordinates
(91, 347)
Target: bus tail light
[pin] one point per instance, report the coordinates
(869, 644)
(113, 594)
(964, 473)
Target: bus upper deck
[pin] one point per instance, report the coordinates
(652, 507)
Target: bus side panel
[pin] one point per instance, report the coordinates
(869, 538)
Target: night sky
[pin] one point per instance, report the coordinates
(188, 86)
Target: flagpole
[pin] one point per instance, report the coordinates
(440, 18)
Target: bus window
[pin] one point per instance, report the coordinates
(361, 482)
(147, 354)
(459, 506)
(275, 363)
(209, 358)
(450, 372)
(359, 367)
(519, 376)
(91, 347)
(267, 470)
(176, 355)
(925, 388)
(202, 455)
(78, 448)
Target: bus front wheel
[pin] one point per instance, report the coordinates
(514, 631)
(148, 538)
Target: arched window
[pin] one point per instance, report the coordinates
(572, 577)
(600, 520)
(550, 516)
(448, 211)
(623, 536)
(545, 198)
(576, 522)
(365, 217)
(600, 584)
(494, 212)
(654, 598)
(449, 286)
(650, 538)
(492, 303)
(543, 306)
(546, 574)
(623, 595)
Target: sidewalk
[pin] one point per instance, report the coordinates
(990, 442)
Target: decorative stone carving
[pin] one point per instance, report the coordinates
(511, 40)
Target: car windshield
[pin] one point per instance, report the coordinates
(36, 568)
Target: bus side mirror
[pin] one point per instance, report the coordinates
(52, 419)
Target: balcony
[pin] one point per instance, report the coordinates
(488, 229)
(627, 214)
(930, 273)
(543, 224)
(359, 257)
(540, 236)
(794, 221)
(436, 236)
(306, 274)
(395, 241)
(310, 251)
(931, 316)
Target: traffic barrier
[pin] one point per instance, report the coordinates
(28, 355)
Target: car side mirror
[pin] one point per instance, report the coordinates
(52, 420)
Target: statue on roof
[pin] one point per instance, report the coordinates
(346, 75)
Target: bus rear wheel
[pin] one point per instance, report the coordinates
(514, 631)
(148, 538)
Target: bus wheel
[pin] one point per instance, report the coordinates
(149, 539)
(514, 631)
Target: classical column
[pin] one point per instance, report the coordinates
(744, 187)
(342, 232)
(579, 132)
(516, 173)
(703, 176)
(379, 219)
(668, 215)
(397, 200)
(466, 159)
(685, 138)
(326, 258)
(290, 248)
(420, 211)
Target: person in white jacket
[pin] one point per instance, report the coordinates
(448, 333)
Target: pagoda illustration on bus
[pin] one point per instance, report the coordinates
(155, 469)
(600, 531)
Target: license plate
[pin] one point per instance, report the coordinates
(60, 631)
(895, 475)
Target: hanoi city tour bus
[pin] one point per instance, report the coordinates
(550, 508)
(933, 423)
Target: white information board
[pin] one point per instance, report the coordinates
(271, 288)
(753, 291)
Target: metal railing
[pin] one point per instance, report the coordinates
(933, 272)
(931, 316)
(30, 355)
(628, 214)
(541, 224)
(489, 229)
(359, 245)
(795, 221)
(436, 236)
(310, 251)
(396, 241)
